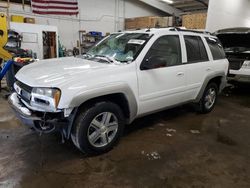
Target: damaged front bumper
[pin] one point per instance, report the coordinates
(41, 122)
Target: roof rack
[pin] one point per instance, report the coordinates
(188, 30)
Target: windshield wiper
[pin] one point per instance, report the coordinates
(86, 55)
(105, 58)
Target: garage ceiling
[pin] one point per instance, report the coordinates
(178, 7)
(189, 5)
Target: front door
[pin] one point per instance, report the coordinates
(161, 76)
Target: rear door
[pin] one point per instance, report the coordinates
(198, 65)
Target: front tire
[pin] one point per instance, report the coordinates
(98, 128)
(209, 98)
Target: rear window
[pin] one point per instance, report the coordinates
(196, 51)
(216, 48)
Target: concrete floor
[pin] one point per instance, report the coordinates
(174, 148)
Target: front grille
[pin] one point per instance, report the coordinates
(25, 92)
(235, 64)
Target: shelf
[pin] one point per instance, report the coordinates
(87, 40)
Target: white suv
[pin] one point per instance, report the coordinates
(125, 76)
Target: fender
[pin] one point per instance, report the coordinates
(207, 80)
(114, 88)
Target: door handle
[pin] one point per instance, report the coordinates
(180, 74)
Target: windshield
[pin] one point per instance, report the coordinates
(122, 47)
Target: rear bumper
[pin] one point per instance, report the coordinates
(40, 122)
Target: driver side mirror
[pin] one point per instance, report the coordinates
(153, 62)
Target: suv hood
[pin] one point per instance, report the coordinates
(60, 71)
(234, 37)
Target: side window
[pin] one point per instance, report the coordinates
(216, 48)
(165, 52)
(196, 51)
(203, 51)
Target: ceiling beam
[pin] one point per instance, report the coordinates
(194, 9)
(202, 2)
(163, 7)
(183, 1)
(188, 5)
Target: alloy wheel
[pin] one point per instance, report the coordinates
(103, 129)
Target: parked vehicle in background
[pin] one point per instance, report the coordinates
(125, 76)
(236, 43)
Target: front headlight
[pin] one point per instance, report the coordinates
(246, 65)
(46, 96)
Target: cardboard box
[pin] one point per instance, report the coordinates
(29, 20)
(194, 21)
(171, 21)
(130, 23)
(148, 22)
(162, 21)
(143, 22)
(16, 18)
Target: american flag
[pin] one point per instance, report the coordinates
(57, 7)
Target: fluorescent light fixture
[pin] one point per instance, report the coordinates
(168, 1)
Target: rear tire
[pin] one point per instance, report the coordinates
(208, 99)
(98, 128)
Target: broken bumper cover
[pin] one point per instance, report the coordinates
(40, 122)
(22, 112)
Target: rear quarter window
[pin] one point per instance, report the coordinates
(216, 48)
